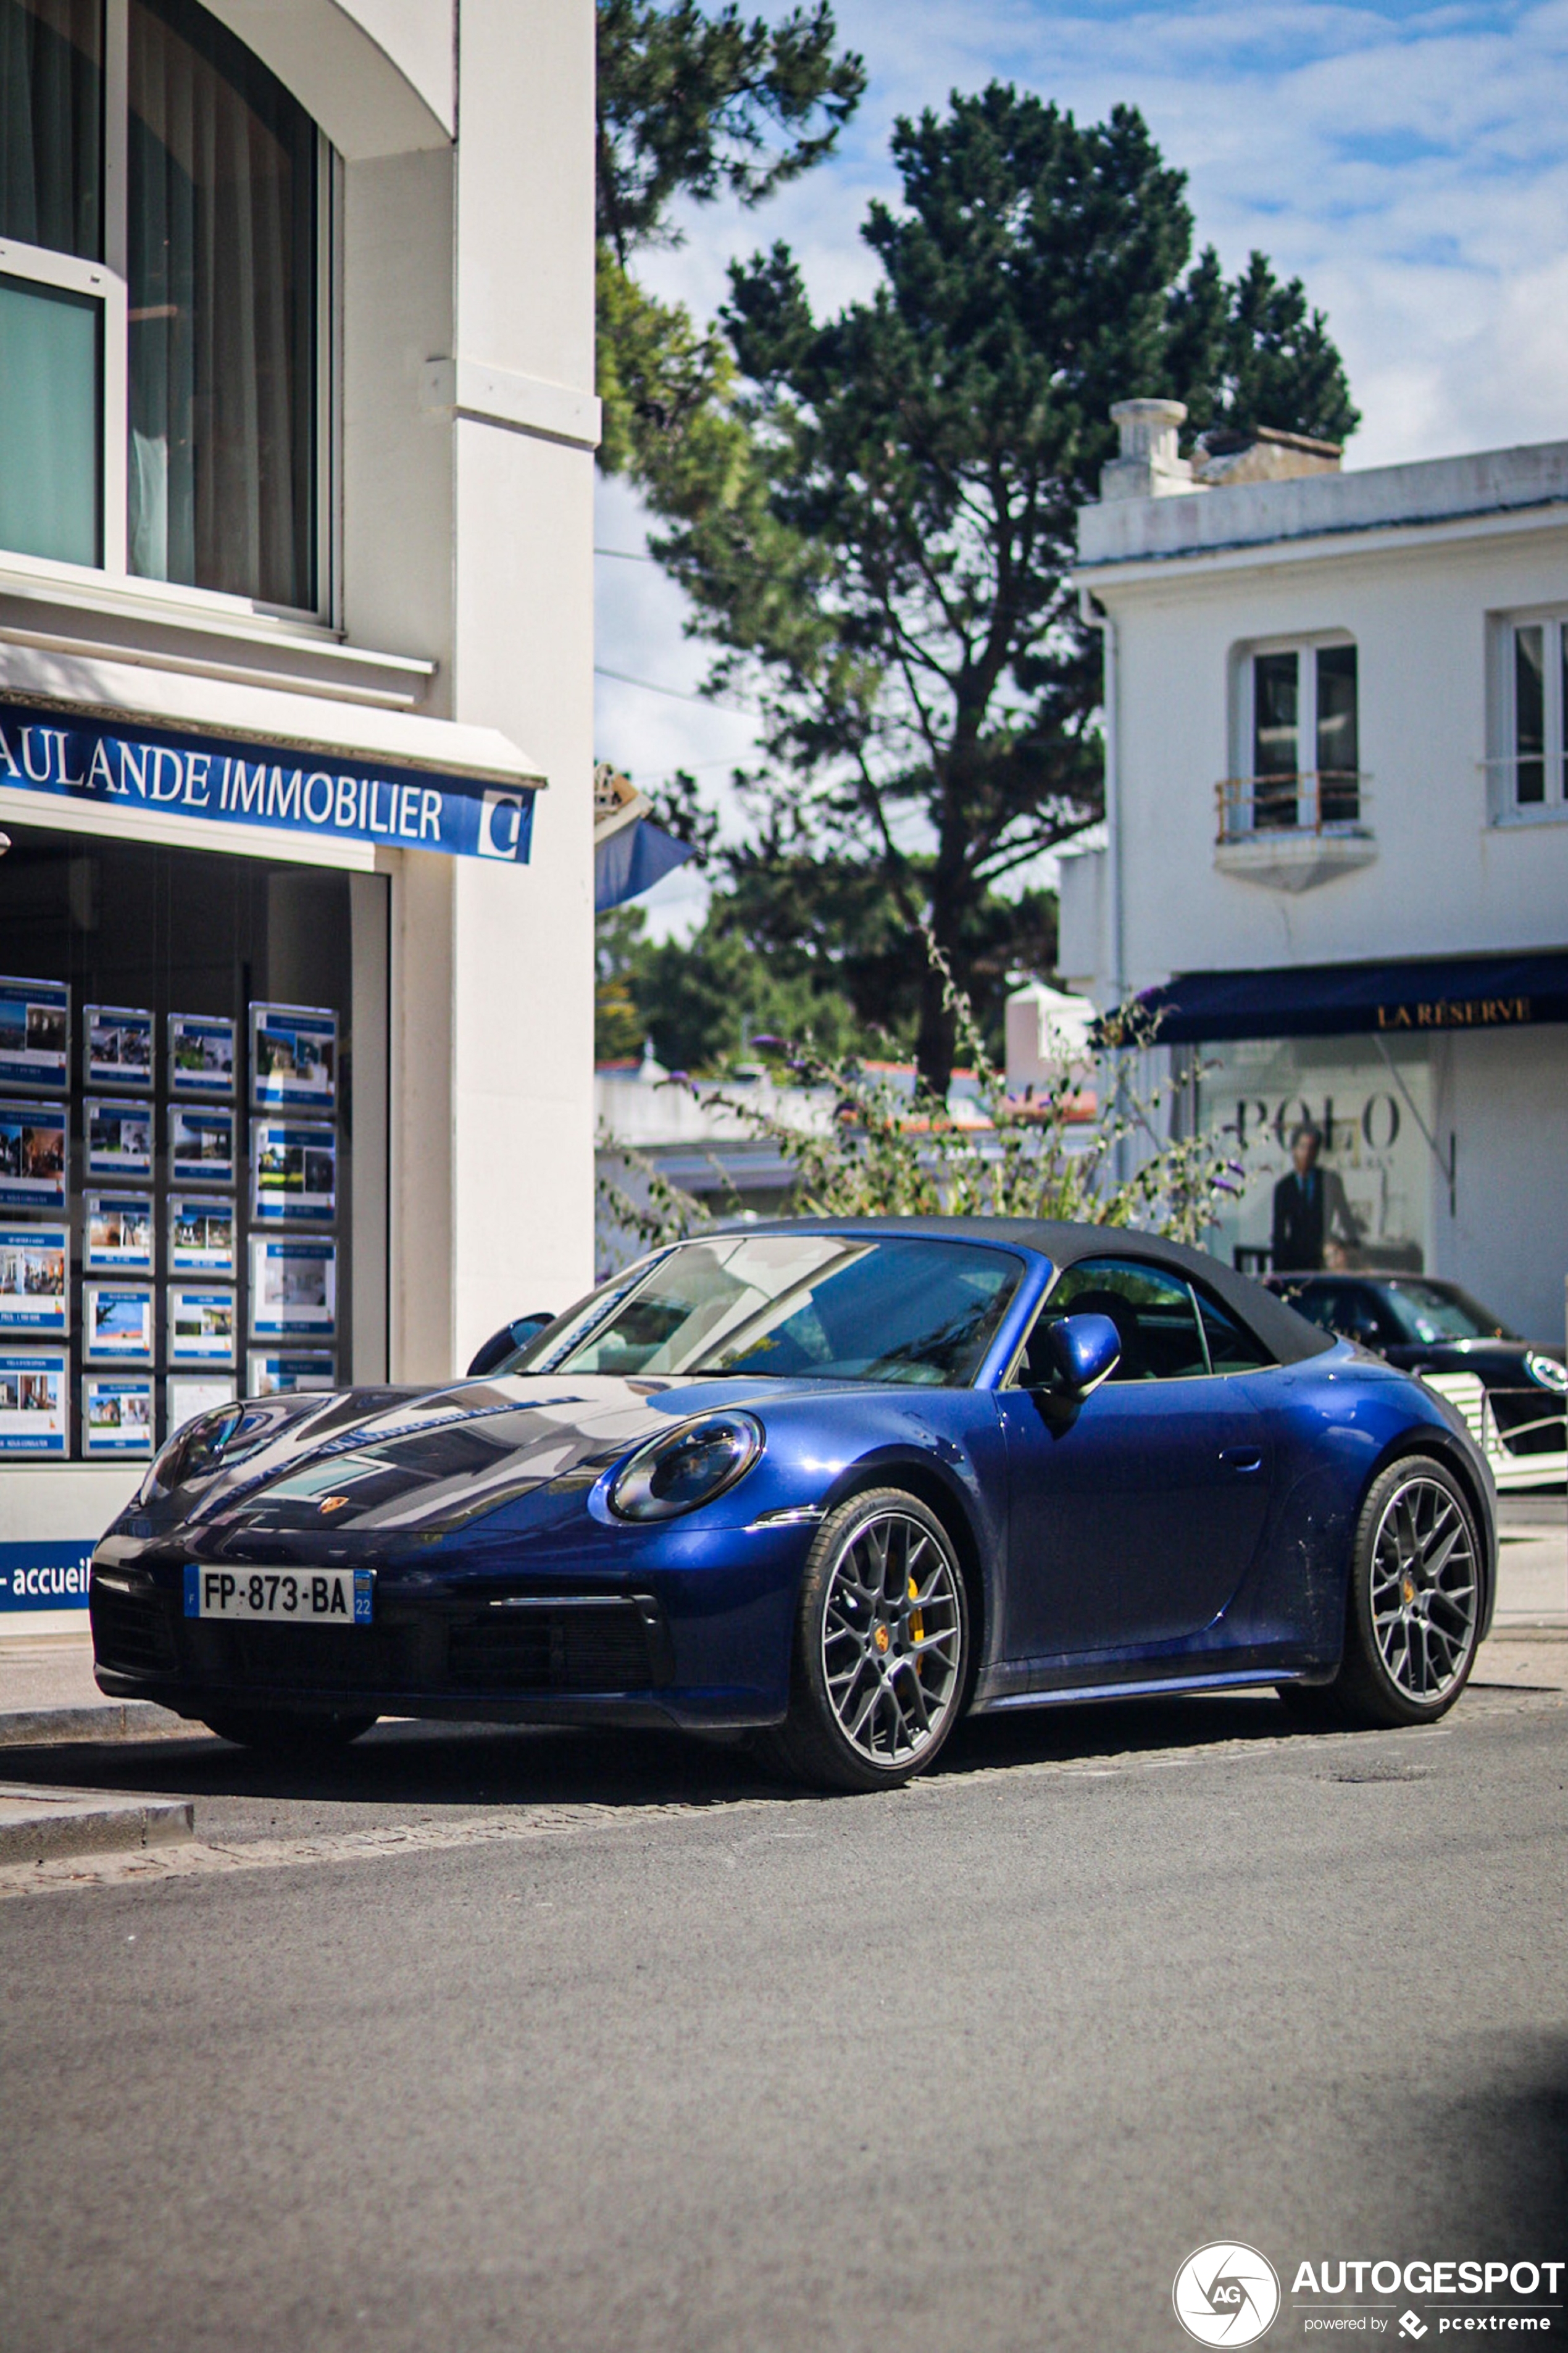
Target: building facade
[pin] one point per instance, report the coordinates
(1337, 837)
(295, 919)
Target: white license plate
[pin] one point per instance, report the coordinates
(293, 1596)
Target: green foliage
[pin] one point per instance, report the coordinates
(882, 548)
(693, 107)
(882, 1155)
(704, 1002)
(1251, 353)
(698, 106)
(813, 913)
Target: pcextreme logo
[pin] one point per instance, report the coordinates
(1226, 2294)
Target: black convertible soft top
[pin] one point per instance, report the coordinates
(1288, 1337)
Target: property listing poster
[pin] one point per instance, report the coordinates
(293, 1058)
(294, 1180)
(116, 1415)
(117, 1233)
(201, 1145)
(293, 1289)
(117, 1044)
(117, 1323)
(32, 1156)
(201, 1325)
(201, 1054)
(35, 1034)
(35, 1288)
(186, 1395)
(34, 1402)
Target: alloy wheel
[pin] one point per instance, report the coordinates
(1424, 1590)
(892, 1638)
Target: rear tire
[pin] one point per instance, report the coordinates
(880, 1669)
(280, 1733)
(1414, 1609)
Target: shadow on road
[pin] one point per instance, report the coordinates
(403, 1765)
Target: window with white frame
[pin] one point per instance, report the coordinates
(1530, 715)
(160, 226)
(1296, 761)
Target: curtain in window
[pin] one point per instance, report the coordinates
(222, 294)
(52, 124)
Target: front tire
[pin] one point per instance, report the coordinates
(280, 1733)
(881, 1667)
(1413, 1610)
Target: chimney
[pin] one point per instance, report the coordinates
(1148, 467)
(1261, 455)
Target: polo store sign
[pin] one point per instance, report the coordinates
(317, 794)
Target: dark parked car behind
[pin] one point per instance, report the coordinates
(1427, 1326)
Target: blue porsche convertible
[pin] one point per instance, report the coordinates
(837, 1484)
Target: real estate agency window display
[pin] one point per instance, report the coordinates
(164, 1248)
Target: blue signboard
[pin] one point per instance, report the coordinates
(319, 795)
(45, 1576)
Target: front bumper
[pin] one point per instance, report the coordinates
(709, 1650)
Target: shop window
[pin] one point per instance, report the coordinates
(1298, 768)
(173, 300)
(193, 1138)
(1530, 726)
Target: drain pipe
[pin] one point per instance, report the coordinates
(1095, 617)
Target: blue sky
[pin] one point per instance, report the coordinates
(1408, 160)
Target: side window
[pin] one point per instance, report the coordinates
(1153, 1313)
(1232, 1348)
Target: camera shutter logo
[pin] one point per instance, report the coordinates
(1226, 2294)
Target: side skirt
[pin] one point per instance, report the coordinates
(1235, 1679)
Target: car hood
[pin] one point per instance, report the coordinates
(410, 1462)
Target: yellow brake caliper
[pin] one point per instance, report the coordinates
(917, 1621)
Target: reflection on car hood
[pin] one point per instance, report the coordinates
(438, 1459)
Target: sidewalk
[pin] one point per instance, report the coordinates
(48, 1692)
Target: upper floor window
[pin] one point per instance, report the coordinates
(160, 228)
(1296, 763)
(1530, 716)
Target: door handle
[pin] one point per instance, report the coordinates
(1241, 1459)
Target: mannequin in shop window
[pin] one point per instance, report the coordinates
(1310, 1211)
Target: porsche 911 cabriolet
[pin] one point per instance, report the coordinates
(831, 1485)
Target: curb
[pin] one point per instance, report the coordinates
(119, 1719)
(42, 1826)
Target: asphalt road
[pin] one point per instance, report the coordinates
(535, 2041)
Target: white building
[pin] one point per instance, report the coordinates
(296, 468)
(1338, 830)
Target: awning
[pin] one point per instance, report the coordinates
(632, 860)
(1412, 996)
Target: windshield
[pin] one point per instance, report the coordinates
(832, 1307)
(1425, 1311)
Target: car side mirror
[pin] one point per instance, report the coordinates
(1079, 1353)
(500, 1344)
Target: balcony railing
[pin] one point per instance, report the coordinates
(1326, 801)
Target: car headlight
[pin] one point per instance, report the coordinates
(1547, 1371)
(686, 1467)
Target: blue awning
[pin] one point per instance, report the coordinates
(633, 861)
(1417, 995)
